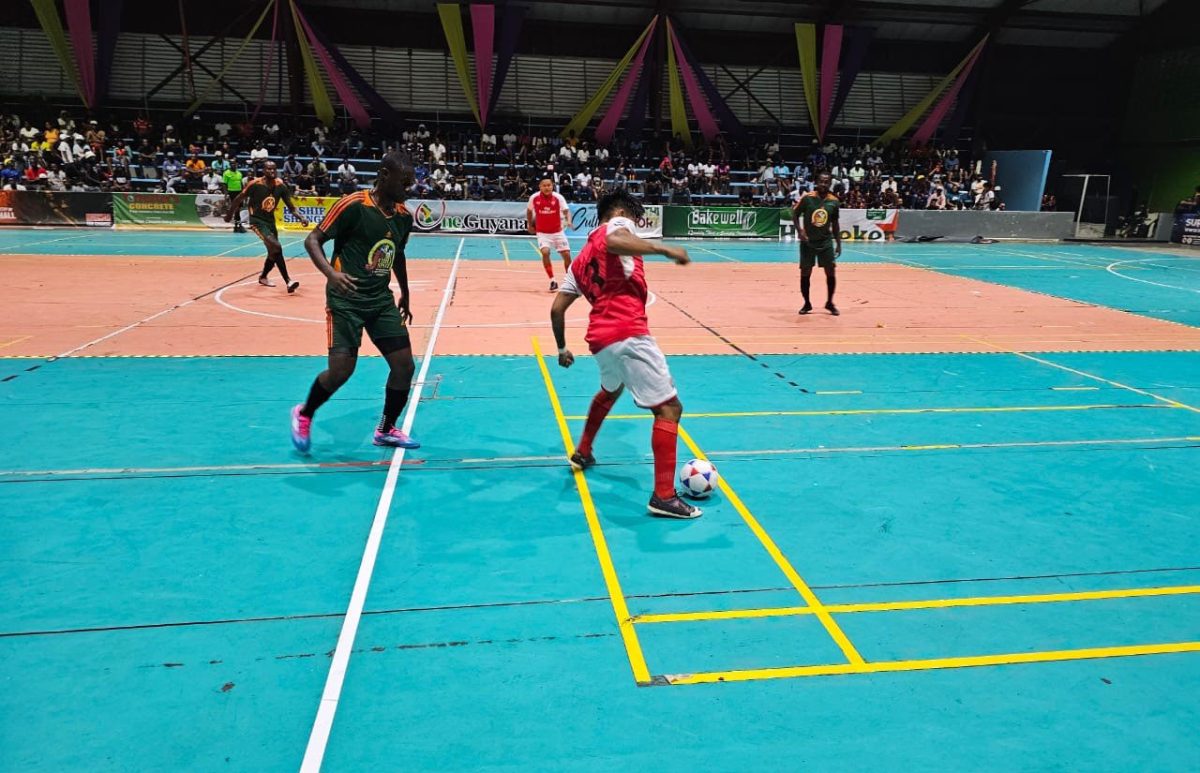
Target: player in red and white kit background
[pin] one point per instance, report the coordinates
(610, 274)
(544, 217)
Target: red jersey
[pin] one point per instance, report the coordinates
(615, 285)
(548, 212)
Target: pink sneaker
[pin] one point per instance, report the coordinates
(301, 430)
(395, 438)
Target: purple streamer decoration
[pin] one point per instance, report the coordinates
(855, 45)
(925, 132)
(831, 51)
(506, 48)
(608, 124)
(107, 34)
(377, 103)
(704, 117)
(483, 30)
(351, 103)
(729, 122)
(79, 25)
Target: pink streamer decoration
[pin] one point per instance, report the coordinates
(704, 116)
(925, 131)
(344, 92)
(483, 27)
(79, 24)
(608, 124)
(831, 51)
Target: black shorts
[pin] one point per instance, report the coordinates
(822, 255)
(344, 326)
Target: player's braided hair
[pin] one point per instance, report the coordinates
(619, 198)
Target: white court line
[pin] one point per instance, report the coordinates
(318, 739)
(1110, 268)
(44, 241)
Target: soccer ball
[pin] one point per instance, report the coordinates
(698, 478)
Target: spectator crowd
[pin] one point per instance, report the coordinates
(62, 154)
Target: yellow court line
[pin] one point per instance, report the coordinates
(903, 606)
(504, 249)
(533, 246)
(1085, 374)
(889, 666)
(781, 561)
(633, 648)
(896, 411)
(16, 340)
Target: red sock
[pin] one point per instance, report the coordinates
(549, 268)
(602, 403)
(662, 441)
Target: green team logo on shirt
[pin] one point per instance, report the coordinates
(820, 217)
(383, 255)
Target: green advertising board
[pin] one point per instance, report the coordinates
(721, 222)
(169, 210)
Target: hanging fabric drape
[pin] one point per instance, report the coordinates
(925, 131)
(456, 41)
(608, 124)
(806, 45)
(47, 13)
(906, 122)
(229, 63)
(483, 30)
(581, 119)
(704, 117)
(831, 50)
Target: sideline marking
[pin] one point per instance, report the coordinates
(318, 739)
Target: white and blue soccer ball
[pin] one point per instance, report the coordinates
(698, 478)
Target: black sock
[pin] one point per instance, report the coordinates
(830, 284)
(266, 267)
(279, 261)
(805, 285)
(317, 396)
(394, 401)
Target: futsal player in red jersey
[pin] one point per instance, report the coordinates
(610, 274)
(544, 217)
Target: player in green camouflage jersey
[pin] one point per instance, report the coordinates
(262, 195)
(816, 219)
(369, 232)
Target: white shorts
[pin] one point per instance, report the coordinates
(553, 242)
(638, 364)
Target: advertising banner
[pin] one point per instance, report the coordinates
(585, 219)
(170, 210)
(1187, 229)
(312, 207)
(52, 208)
(722, 222)
(874, 225)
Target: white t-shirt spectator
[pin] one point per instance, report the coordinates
(347, 173)
(437, 151)
(693, 170)
(488, 140)
(57, 180)
(212, 183)
(583, 180)
(566, 152)
(858, 172)
(984, 200)
(65, 152)
(259, 154)
(223, 129)
(583, 155)
(710, 170)
(510, 139)
(601, 154)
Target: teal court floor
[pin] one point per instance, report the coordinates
(940, 561)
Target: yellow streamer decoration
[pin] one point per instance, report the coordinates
(679, 120)
(806, 45)
(912, 116)
(229, 64)
(47, 13)
(320, 96)
(589, 109)
(452, 25)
